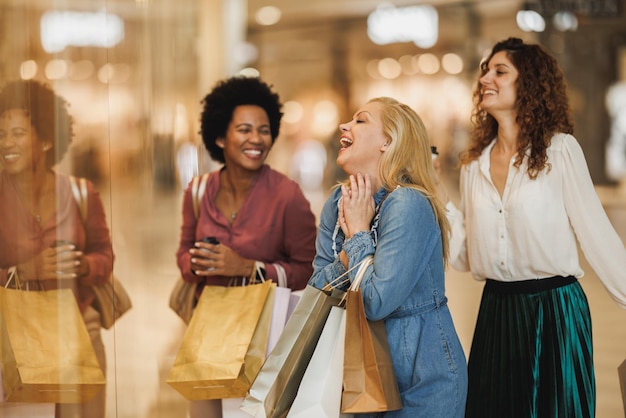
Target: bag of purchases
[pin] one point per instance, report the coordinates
(282, 299)
(276, 385)
(224, 345)
(369, 382)
(319, 394)
(45, 350)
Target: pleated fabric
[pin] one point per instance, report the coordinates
(532, 355)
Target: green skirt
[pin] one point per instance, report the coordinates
(532, 354)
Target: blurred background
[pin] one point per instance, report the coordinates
(135, 71)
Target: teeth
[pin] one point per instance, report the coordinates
(345, 142)
(11, 157)
(254, 152)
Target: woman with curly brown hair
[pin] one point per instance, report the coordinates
(526, 198)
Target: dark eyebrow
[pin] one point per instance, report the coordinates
(501, 65)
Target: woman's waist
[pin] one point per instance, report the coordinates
(420, 308)
(528, 285)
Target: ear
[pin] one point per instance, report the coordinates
(220, 142)
(384, 147)
(46, 146)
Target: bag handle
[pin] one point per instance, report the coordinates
(198, 187)
(79, 190)
(363, 265)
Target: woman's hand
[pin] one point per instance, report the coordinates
(218, 260)
(56, 263)
(357, 207)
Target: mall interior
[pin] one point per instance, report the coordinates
(135, 71)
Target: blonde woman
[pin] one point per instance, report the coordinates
(388, 208)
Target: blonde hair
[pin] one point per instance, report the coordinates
(407, 162)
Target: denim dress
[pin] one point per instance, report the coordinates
(405, 287)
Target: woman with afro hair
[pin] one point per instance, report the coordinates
(527, 200)
(258, 219)
(44, 242)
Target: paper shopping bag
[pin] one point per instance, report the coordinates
(280, 310)
(282, 297)
(225, 343)
(369, 382)
(319, 394)
(45, 350)
(276, 385)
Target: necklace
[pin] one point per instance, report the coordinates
(233, 215)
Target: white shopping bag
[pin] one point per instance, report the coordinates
(319, 394)
(282, 298)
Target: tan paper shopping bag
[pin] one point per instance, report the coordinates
(369, 382)
(224, 346)
(45, 349)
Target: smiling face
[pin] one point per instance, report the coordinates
(20, 146)
(498, 85)
(248, 138)
(363, 141)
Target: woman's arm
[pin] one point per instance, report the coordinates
(407, 237)
(601, 245)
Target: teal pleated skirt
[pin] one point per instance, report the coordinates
(532, 353)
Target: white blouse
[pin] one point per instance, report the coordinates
(531, 232)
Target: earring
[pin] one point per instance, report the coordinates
(46, 147)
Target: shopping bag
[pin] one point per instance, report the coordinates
(319, 394)
(45, 350)
(224, 345)
(282, 297)
(276, 385)
(280, 309)
(369, 382)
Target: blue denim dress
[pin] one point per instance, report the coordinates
(405, 287)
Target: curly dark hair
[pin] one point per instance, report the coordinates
(542, 105)
(220, 103)
(48, 114)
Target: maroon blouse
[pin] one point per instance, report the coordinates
(22, 237)
(275, 225)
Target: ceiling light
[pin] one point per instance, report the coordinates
(268, 15)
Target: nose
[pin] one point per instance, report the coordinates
(343, 127)
(256, 137)
(485, 79)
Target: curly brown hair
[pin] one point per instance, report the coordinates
(542, 106)
(48, 114)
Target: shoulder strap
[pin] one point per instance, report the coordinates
(198, 187)
(79, 190)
